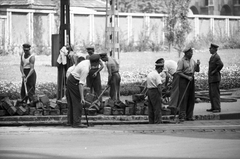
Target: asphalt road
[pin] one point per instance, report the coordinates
(198, 140)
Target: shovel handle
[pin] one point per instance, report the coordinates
(25, 87)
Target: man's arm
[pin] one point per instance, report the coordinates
(32, 62)
(81, 91)
(109, 73)
(21, 67)
(101, 67)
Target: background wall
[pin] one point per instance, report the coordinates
(36, 27)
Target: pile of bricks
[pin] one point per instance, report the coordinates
(137, 106)
(41, 105)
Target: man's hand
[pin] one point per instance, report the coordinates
(190, 78)
(83, 101)
(213, 72)
(25, 80)
(23, 75)
(198, 62)
(95, 74)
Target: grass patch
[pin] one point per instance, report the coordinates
(134, 67)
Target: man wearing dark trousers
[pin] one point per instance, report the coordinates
(114, 78)
(154, 93)
(75, 93)
(94, 77)
(29, 75)
(186, 69)
(214, 78)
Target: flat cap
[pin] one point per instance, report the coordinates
(214, 46)
(187, 50)
(26, 46)
(94, 58)
(104, 54)
(159, 62)
(90, 48)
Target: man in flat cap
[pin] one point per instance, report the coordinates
(214, 78)
(94, 77)
(29, 76)
(114, 77)
(186, 69)
(154, 93)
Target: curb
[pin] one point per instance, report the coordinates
(101, 119)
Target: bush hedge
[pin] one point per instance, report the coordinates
(130, 83)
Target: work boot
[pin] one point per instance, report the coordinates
(182, 116)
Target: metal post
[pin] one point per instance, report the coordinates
(64, 39)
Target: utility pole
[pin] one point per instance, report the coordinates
(64, 40)
(112, 28)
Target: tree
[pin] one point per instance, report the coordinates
(176, 23)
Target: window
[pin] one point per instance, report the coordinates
(206, 2)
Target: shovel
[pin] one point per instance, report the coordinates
(26, 91)
(175, 113)
(95, 103)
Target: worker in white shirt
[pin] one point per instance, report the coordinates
(75, 93)
(154, 94)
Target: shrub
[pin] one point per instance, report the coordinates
(130, 83)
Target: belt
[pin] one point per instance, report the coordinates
(94, 67)
(152, 88)
(189, 74)
(115, 72)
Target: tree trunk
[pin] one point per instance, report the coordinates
(169, 47)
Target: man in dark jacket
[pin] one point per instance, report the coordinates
(214, 78)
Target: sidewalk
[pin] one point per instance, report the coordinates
(229, 110)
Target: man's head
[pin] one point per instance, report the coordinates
(94, 59)
(80, 59)
(213, 48)
(26, 47)
(90, 50)
(159, 65)
(188, 52)
(104, 57)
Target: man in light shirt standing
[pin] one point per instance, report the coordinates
(154, 94)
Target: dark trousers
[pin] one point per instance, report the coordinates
(31, 85)
(114, 84)
(214, 95)
(94, 83)
(74, 101)
(188, 102)
(174, 91)
(154, 106)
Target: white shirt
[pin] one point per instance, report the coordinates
(81, 71)
(153, 79)
(170, 66)
(70, 69)
(26, 62)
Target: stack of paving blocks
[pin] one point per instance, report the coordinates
(41, 105)
(112, 107)
(90, 98)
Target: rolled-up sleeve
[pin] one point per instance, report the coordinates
(180, 66)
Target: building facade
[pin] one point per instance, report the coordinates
(216, 7)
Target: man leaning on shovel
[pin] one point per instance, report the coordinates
(186, 69)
